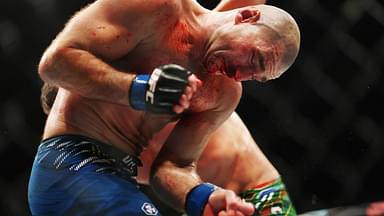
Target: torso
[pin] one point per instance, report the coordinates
(119, 125)
(134, 131)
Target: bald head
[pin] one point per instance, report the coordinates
(257, 42)
(284, 30)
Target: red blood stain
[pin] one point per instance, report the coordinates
(178, 37)
(128, 37)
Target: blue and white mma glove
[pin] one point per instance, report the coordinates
(160, 91)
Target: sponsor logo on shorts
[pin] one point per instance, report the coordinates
(149, 209)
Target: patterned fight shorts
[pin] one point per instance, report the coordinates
(76, 175)
(270, 199)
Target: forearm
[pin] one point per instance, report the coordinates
(183, 190)
(173, 183)
(80, 71)
(173, 173)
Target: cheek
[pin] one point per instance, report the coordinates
(240, 56)
(238, 65)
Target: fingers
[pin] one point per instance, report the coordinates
(208, 211)
(237, 206)
(240, 206)
(183, 104)
(226, 203)
(189, 92)
(193, 84)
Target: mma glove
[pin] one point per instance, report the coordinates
(159, 91)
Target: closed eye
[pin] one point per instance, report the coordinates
(253, 58)
(261, 60)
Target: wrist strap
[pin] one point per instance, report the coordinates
(197, 198)
(138, 90)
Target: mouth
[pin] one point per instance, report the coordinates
(231, 71)
(216, 65)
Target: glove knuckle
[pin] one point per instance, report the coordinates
(166, 85)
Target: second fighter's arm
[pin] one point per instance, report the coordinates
(173, 174)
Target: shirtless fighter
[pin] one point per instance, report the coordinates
(101, 67)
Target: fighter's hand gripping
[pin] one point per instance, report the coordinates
(209, 200)
(168, 90)
(226, 203)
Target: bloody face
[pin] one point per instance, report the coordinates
(246, 52)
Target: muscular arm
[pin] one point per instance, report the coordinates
(232, 4)
(174, 170)
(78, 58)
(173, 173)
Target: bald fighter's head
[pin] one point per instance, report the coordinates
(261, 42)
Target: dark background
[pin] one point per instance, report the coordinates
(321, 124)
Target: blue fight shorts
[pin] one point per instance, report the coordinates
(75, 175)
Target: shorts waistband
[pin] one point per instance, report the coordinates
(76, 151)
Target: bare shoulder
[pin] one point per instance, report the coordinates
(136, 8)
(112, 28)
(233, 4)
(135, 13)
(138, 15)
(122, 12)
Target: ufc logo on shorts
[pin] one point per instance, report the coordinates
(150, 94)
(149, 209)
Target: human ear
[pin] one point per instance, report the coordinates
(247, 15)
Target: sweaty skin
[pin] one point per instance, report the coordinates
(232, 4)
(94, 59)
(230, 149)
(230, 160)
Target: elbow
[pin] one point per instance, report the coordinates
(161, 169)
(49, 65)
(43, 69)
(156, 168)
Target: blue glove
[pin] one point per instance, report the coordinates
(160, 91)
